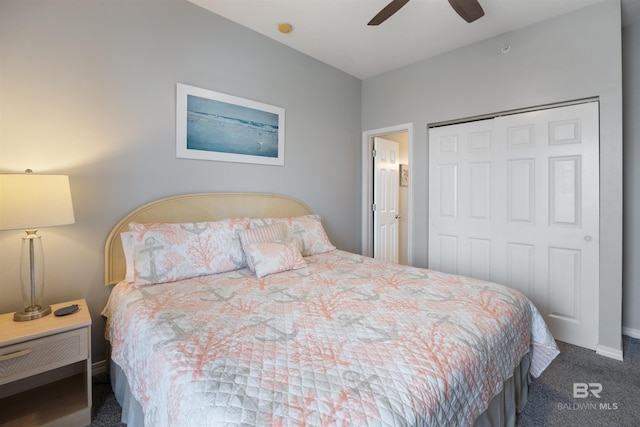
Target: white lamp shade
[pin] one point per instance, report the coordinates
(33, 201)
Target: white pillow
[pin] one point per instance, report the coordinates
(127, 248)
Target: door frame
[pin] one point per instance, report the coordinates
(367, 187)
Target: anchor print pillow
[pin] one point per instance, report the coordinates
(274, 257)
(306, 231)
(164, 252)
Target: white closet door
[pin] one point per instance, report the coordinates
(515, 200)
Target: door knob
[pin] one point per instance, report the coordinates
(588, 238)
(398, 217)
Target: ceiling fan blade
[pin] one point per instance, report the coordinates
(388, 10)
(469, 10)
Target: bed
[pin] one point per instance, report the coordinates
(234, 309)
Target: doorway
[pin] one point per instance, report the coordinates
(403, 135)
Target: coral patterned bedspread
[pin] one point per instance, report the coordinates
(346, 341)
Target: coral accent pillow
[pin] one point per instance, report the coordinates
(306, 231)
(274, 257)
(269, 233)
(164, 252)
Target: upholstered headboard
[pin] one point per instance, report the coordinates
(195, 208)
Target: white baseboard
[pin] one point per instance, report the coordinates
(99, 367)
(615, 353)
(612, 353)
(630, 332)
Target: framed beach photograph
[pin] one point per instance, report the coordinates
(215, 126)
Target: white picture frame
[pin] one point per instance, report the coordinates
(215, 126)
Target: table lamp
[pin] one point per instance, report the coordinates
(30, 201)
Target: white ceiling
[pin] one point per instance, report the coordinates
(336, 31)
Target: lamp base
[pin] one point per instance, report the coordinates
(23, 316)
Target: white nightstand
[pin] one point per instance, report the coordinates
(45, 369)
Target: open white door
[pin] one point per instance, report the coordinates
(515, 200)
(385, 209)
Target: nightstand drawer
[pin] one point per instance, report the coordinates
(40, 355)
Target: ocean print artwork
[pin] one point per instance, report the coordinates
(217, 126)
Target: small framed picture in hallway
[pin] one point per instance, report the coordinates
(404, 175)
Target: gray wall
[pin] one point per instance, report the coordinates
(574, 56)
(631, 102)
(87, 88)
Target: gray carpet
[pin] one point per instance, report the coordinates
(551, 401)
(106, 411)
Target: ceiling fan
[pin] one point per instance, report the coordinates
(469, 10)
